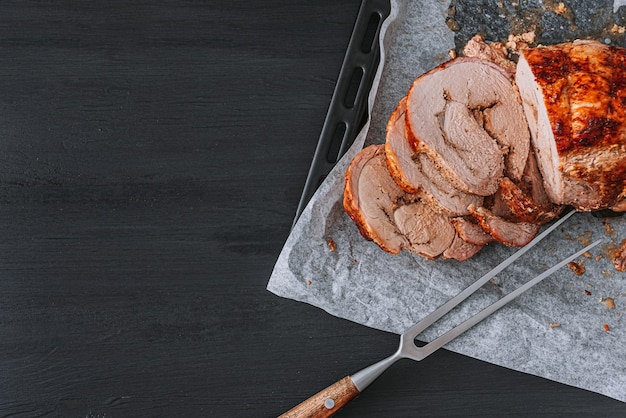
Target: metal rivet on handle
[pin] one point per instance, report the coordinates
(329, 403)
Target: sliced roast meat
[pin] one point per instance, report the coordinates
(532, 184)
(471, 232)
(526, 200)
(523, 207)
(465, 115)
(429, 233)
(510, 130)
(461, 250)
(515, 234)
(393, 219)
(399, 154)
(416, 173)
(499, 207)
(370, 197)
(574, 97)
(476, 149)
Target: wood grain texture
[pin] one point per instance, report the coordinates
(152, 156)
(326, 402)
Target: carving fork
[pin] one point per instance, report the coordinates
(328, 401)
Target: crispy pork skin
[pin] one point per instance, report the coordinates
(465, 115)
(416, 173)
(574, 97)
(385, 214)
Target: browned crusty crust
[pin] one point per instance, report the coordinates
(582, 85)
(523, 207)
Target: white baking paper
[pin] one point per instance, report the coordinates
(356, 280)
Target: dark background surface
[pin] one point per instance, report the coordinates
(152, 155)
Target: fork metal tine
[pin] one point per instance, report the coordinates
(449, 305)
(408, 349)
(423, 352)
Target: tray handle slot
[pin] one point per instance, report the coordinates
(349, 101)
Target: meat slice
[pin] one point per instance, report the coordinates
(393, 219)
(574, 97)
(514, 234)
(533, 186)
(465, 115)
(525, 208)
(429, 233)
(527, 200)
(471, 232)
(416, 173)
(370, 196)
(461, 250)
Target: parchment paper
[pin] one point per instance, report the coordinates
(356, 280)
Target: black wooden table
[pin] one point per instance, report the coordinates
(152, 155)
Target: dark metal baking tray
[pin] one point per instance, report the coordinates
(347, 112)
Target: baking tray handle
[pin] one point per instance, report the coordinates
(347, 111)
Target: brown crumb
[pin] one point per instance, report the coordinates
(495, 52)
(452, 54)
(588, 293)
(354, 260)
(308, 283)
(585, 239)
(619, 256)
(598, 257)
(618, 29)
(517, 43)
(554, 325)
(560, 8)
(609, 303)
(608, 228)
(577, 267)
(587, 254)
(331, 245)
(606, 327)
(452, 24)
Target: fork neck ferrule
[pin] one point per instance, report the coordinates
(365, 377)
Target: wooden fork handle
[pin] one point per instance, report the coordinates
(326, 402)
